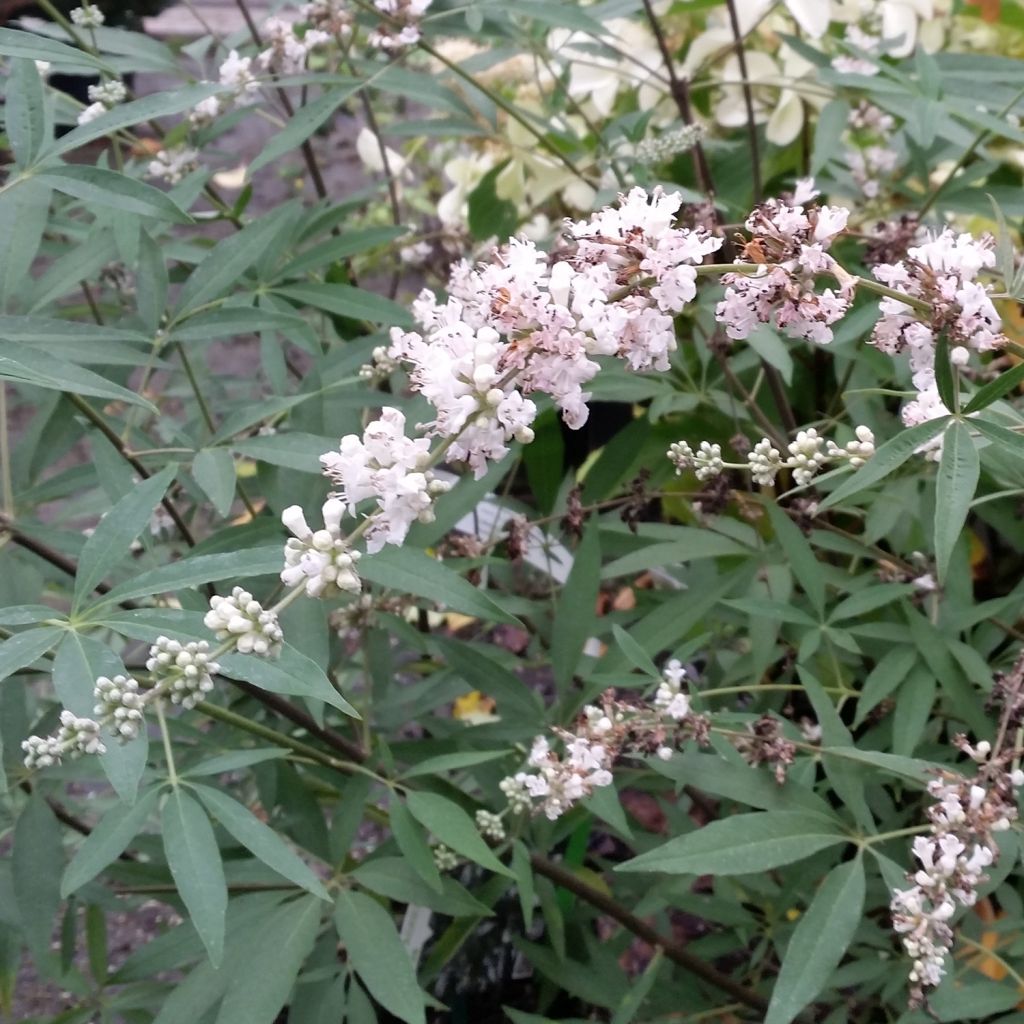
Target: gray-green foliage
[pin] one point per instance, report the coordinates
(303, 818)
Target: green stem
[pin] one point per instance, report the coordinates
(172, 772)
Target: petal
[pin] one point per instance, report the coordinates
(811, 15)
(787, 119)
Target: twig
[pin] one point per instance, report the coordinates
(748, 100)
(673, 950)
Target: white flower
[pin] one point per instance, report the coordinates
(172, 165)
(490, 825)
(120, 704)
(184, 672)
(320, 560)
(87, 16)
(243, 620)
(109, 93)
(765, 461)
(91, 112)
(386, 465)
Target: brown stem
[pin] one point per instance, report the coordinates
(111, 435)
(746, 397)
(304, 720)
(680, 91)
(672, 949)
(748, 100)
(307, 149)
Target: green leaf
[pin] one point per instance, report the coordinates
(489, 215)
(344, 300)
(108, 840)
(692, 545)
(819, 941)
(957, 480)
(414, 572)
(351, 243)
(24, 113)
(453, 762)
(77, 342)
(37, 861)
(799, 556)
(214, 471)
(260, 840)
(258, 986)
(453, 827)
(112, 539)
(32, 46)
(292, 674)
(23, 221)
(411, 841)
(892, 764)
(109, 188)
(233, 761)
(190, 572)
(219, 270)
(395, 878)
(996, 389)
(159, 104)
(636, 654)
(80, 661)
(22, 649)
(378, 955)
(742, 845)
(944, 380)
(293, 450)
(878, 595)
(27, 365)
(194, 860)
(889, 457)
(1006, 440)
(523, 870)
(300, 127)
(576, 614)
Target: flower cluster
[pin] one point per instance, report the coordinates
(120, 702)
(173, 164)
(319, 560)
(243, 620)
(330, 16)
(103, 97)
(75, 737)
(789, 243)
(287, 52)
(87, 16)
(184, 671)
(490, 825)
(389, 467)
(941, 273)
(870, 155)
(965, 818)
(400, 26)
(235, 74)
(806, 456)
(604, 733)
(525, 323)
(658, 149)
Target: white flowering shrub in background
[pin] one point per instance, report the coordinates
(594, 586)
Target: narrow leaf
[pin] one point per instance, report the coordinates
(260, 840)
(108, 188)
(22, 649)
(742, 845)
(194, 860)
(996, 389)
(453, 827)
(959, 468)
(107, 841)
(24, 114)
(889, 457)
(378, 955)
(577, 610)
(115, 532)
(819, 941)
